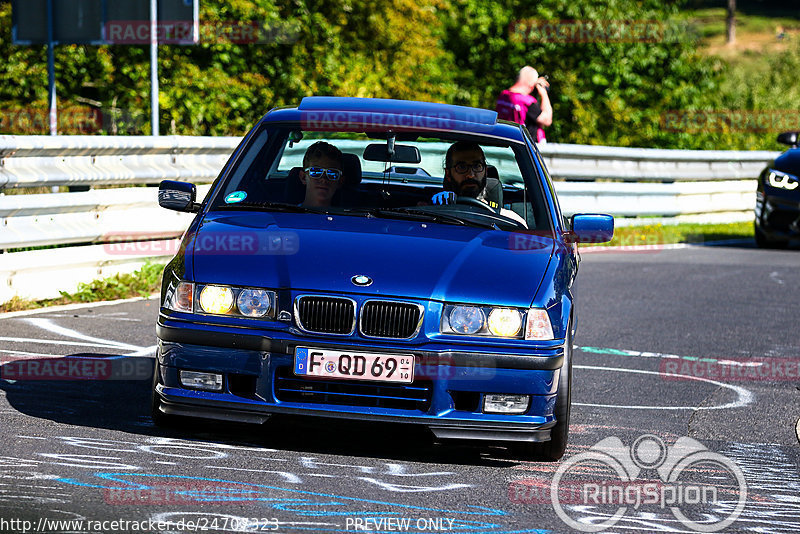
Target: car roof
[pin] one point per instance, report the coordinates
(331, 113)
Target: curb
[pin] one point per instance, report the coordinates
(76, 306)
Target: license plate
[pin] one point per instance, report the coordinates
(354, 365)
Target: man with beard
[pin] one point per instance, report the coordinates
(464, 173)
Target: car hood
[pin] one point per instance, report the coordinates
(322, 253)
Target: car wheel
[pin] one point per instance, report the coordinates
(762, 241)
(550, 451)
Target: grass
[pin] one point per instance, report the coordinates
(141, 283)
(662, 234)
(756, 31)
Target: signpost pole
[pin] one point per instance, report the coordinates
(153, 66)
(51, 71)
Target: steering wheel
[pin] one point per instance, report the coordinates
(474, 202)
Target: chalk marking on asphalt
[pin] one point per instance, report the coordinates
(744, 396)
(31, 437)
(291, 478)
(797, 430)
(50, 326)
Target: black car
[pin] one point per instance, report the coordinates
(778, 197)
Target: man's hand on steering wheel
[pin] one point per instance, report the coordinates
(448, 197)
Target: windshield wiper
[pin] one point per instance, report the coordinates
(423, 215)
(270, 206)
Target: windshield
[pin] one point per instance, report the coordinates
(450, 180)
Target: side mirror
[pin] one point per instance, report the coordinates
(591, 228)
(788, 138)
(178, 196)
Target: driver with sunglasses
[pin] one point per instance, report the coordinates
(464, 173)
(321, 174)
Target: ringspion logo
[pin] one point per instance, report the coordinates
(703, 490)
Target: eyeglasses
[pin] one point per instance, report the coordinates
(463, 168)
(318, 173)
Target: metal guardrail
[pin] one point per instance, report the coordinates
(626, 182)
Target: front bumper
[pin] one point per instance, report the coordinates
(446, 395)
(778, 215)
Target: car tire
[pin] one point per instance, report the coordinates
(553, 450)
(762, 241)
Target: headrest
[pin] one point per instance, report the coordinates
(351, 169)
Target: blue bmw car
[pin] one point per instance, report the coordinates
(377, 260)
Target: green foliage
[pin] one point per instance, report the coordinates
(455, 51)
(662, 234)
(141, 283)
(603, 92)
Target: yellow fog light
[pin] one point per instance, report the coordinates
(216, 299)
(504, 322)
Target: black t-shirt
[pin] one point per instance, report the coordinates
(534, 110)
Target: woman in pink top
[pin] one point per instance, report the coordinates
(518, 104)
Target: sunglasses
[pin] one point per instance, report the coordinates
(463, 168)
(318, 173)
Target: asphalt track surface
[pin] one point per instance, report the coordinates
(87, 450)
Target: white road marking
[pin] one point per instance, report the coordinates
(744, 396)
(48, 325)
(25, 353)
(98, 316)
(56, 342)
(774, 277)
(625, 352)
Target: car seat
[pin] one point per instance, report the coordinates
(493, 192)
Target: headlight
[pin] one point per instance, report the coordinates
(180, 297)
(216, 299)
(254, 302)
(538, 325)
(488, 321)
(466, 319)
(504, 322)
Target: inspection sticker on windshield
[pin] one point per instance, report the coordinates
(236, 196)
(354, 365)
